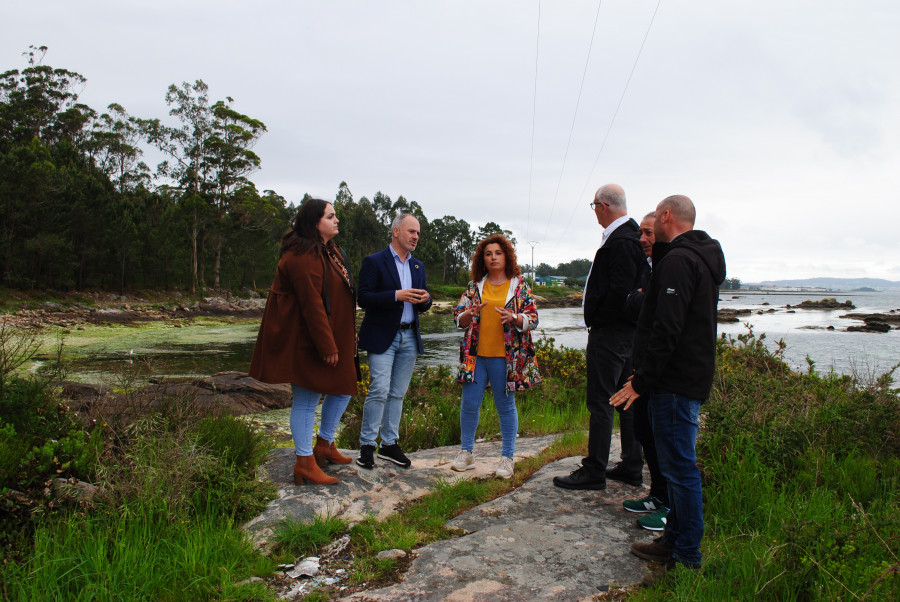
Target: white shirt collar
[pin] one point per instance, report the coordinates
(612, 227)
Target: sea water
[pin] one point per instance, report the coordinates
(101, 354)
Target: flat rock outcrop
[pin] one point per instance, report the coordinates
(537, 542)
(224, 392)
(377, 492)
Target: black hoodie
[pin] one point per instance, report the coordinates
(675, 344)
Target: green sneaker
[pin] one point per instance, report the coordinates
(645, 504)
(655, 521)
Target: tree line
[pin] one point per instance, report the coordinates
(80, 208)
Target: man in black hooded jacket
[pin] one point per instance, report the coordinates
(674, 358)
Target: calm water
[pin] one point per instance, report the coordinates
(108, 354)
(805, 332)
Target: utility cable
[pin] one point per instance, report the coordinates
(612, 122)
(587, 61)
(537, 52)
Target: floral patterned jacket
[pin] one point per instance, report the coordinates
(521, 366)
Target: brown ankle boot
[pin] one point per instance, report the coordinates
(306, 469)
(325, 452)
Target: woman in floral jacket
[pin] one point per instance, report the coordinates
(498, 312)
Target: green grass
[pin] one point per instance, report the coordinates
(446, 292)
(137, 553)
(173, 487)
(298, 538)
(431, 409)
(557, 292)
(801, 485)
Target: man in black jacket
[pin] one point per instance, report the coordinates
(674, 357)
(653, 507)
(617, 270)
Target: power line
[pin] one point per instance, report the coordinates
(612, 122)
(537, 52)
(587, 61)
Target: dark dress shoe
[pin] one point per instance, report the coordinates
(620, 474)
(580, 478)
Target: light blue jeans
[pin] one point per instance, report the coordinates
(389, 375)
(491, 369)
(303, 417)
(675, 423)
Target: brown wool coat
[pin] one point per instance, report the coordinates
(295, 333)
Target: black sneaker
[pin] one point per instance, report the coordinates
(366, 457)
(394, 454)
(620, 474)
(580, 478)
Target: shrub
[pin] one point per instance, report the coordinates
(801, 483)
(431, 409)
(563, 363)
(234, 441)
(40, 437)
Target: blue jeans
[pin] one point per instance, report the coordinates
(389, 375)
(675, 422)
(303, 417)
(491, 369)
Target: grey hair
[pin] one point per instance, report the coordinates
(400, 217)
(612, 195)
(649, 215)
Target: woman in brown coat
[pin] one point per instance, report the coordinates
(308, 336)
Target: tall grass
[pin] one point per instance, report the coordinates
(172, 485)
(164, 525)
(137, 552)
(431, 408)
(801, 485)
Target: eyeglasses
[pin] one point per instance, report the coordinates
(595, 203)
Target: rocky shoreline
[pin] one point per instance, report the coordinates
(125, 310)
(113, 309)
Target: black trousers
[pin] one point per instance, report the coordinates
(643, 432)
(608, 356)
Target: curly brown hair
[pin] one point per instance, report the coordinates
(478, 271)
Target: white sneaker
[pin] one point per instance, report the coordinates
(464, 461)
(505, 469)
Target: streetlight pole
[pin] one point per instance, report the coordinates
(533, 244)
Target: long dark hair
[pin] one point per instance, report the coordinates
(304, 233)
(512, 268)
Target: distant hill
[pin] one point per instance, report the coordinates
(839, 284)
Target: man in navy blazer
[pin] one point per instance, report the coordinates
(393, 291)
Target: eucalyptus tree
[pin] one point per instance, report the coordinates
(41, 130)
(114, 147)
(185, 149)
(209, 158)
(455, 238)
(363, 231)
(258, 221)
(230, 161)
(40, 101)
(492, 228)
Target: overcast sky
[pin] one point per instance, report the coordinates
(781, 120)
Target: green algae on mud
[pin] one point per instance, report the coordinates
(98, 354)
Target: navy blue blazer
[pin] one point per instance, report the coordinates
(377, 284)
